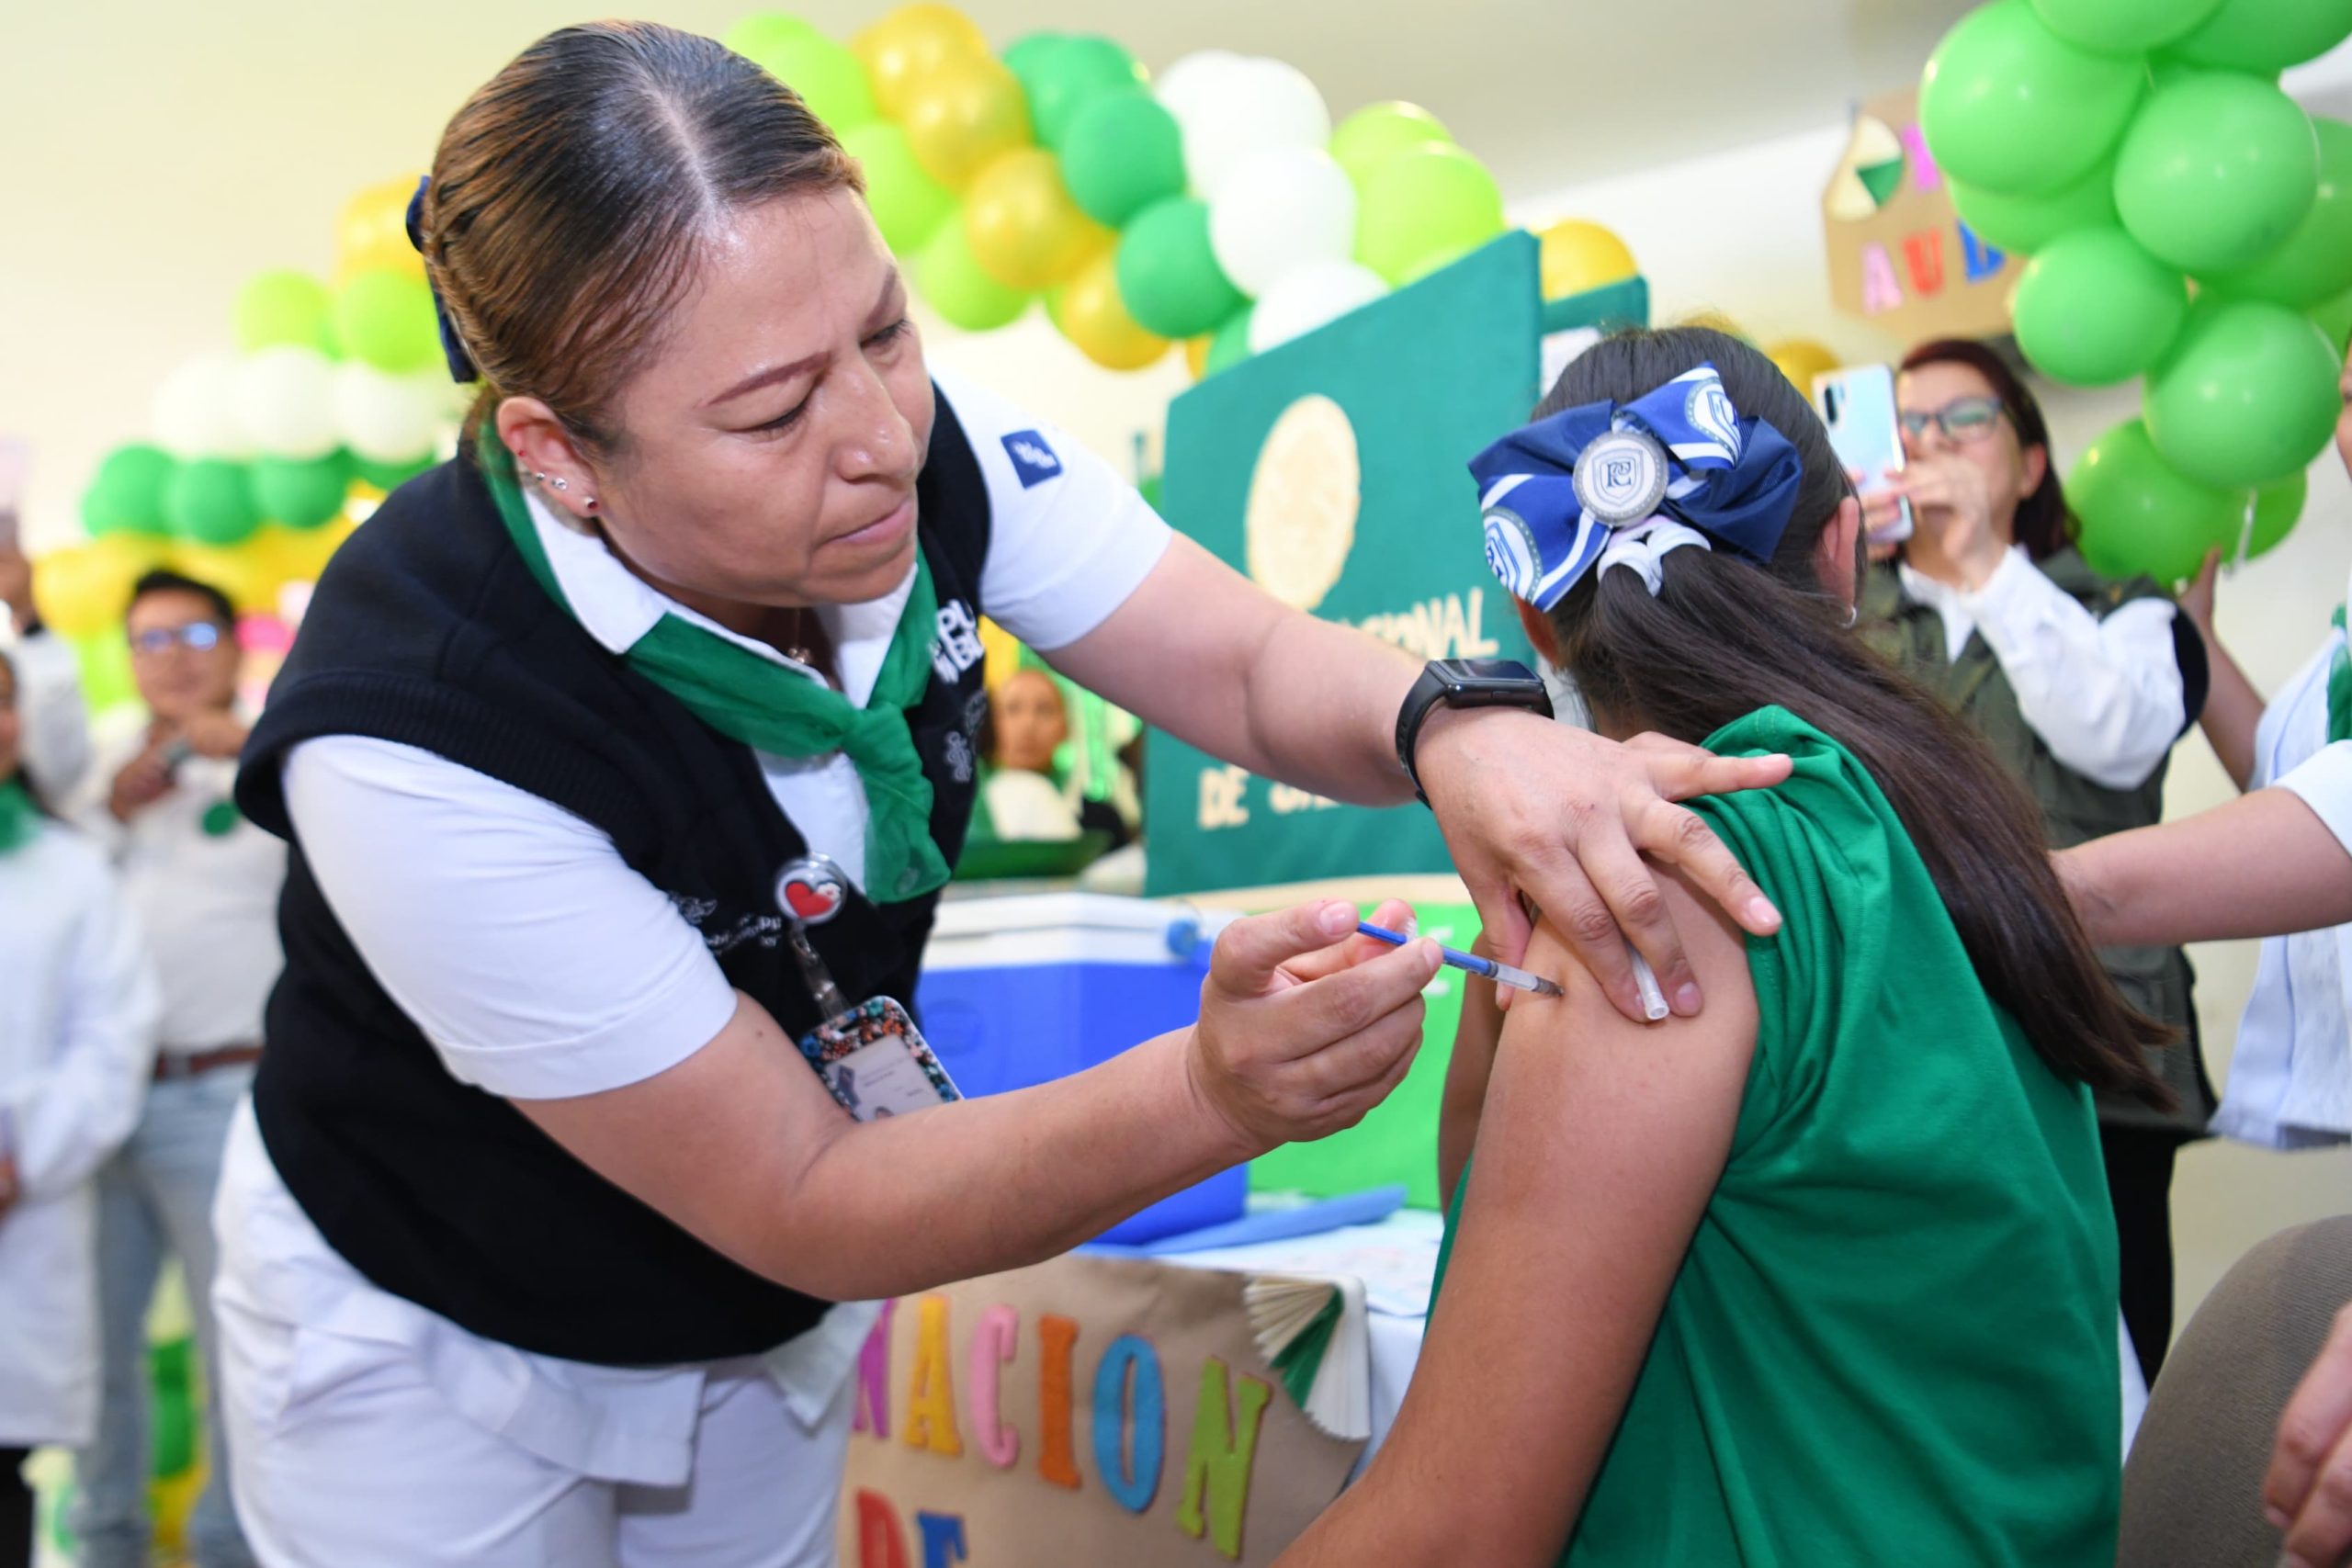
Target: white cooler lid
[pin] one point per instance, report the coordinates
(1069, 928)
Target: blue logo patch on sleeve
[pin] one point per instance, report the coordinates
(1034, 460)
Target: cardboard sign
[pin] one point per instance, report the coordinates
(1331, 471)
(1899, 255)
(1084, 1411)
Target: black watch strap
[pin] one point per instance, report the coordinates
(1465, 683)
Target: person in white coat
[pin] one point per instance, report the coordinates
(78, 1010)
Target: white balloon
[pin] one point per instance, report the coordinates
(1280, 210)
(285, 402)
(1184, 79)
(1245, 107)
(195, 410)
(1309, 296)
(384, 418)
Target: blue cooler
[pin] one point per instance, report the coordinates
(1017, 991)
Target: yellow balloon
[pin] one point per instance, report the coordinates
(1023, 229)
(1801, 359)
(964, 117)
(910, 44)
(372, 231)
(294, 555)
(247, 576)
(1578, 255)
(1196, 354)
(1091, 315)
(1714, 321)
(84, 590)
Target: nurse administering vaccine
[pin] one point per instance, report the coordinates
(622, 759)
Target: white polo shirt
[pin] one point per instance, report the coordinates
(550, 968)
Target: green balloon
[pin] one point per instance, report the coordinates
(2267, 36)
(2093, 307)
(2247, 396)
(1027, 52)
(2315, 262)
(761, 32)
(281, 305)
(2217, 172)
(2334, 319)
(2140, 516)
(301, 494)
(126, 495)
(955, 285)
(1062, 80)
(1372, 136)
(1231, 345)
(1168, 278)
(2009, 105)
(907, 203)
(210, 500)
(2123, 27)
(385, 317)
(2277, 505)
(2025, 223)
(1123, 153)
(388, 476)
(1422, 208)
(829, 78)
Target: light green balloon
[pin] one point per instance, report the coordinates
(1231, 345)
(2141, 516)
(2009, 105)
(1424, 207)
(2277, 505)
(829, 79)
(954, 285)
(2023, 224)
(2216, 171)
(2093, 307)
(907, 203)
(2267, 36)
(2248, 395)
(2123, 27)
(2334, 319)
(761, 32)
(384, 319)
(281, 305)
(1373, 135)
(2314, 265)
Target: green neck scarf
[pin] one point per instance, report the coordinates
(784, 713)
(2339, 688)
(18, 817)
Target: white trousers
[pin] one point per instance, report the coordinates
(357, 1461)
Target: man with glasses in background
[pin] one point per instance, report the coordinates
(205, 884)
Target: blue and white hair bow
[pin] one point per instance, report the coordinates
(1553, 493)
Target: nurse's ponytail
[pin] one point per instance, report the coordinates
(569, 192)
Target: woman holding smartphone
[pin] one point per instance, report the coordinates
(2082, 684)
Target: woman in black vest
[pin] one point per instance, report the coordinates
(530, 1237)
(2082, 684)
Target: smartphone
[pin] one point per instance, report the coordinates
(1858, 405)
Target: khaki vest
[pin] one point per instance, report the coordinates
(2158, 980)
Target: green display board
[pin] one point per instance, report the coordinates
(1397, 1141)
(1331, 471)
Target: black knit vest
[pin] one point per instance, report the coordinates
(428, 629)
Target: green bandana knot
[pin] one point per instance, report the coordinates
(784, 713)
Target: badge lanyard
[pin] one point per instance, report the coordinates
(869, 1054)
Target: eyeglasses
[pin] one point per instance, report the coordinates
(196, 636)
(1962, 420)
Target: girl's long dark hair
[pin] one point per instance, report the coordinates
(1724, 637)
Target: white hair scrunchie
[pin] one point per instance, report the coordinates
(1643, 547)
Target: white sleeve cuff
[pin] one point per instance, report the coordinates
(2325, 783)
(669, 1021)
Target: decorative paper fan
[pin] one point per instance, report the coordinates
(1315, 1333)
(1870, 173)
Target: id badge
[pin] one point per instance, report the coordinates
(876, 1061)
(870, 1054)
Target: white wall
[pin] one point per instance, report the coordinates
(1741, 233)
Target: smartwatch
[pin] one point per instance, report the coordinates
(1465, 683)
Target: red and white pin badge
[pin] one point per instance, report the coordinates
(811, 890)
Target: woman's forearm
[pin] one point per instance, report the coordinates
(2233, 713)
(2261, 865)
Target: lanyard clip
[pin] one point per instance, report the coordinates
(809, 892)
